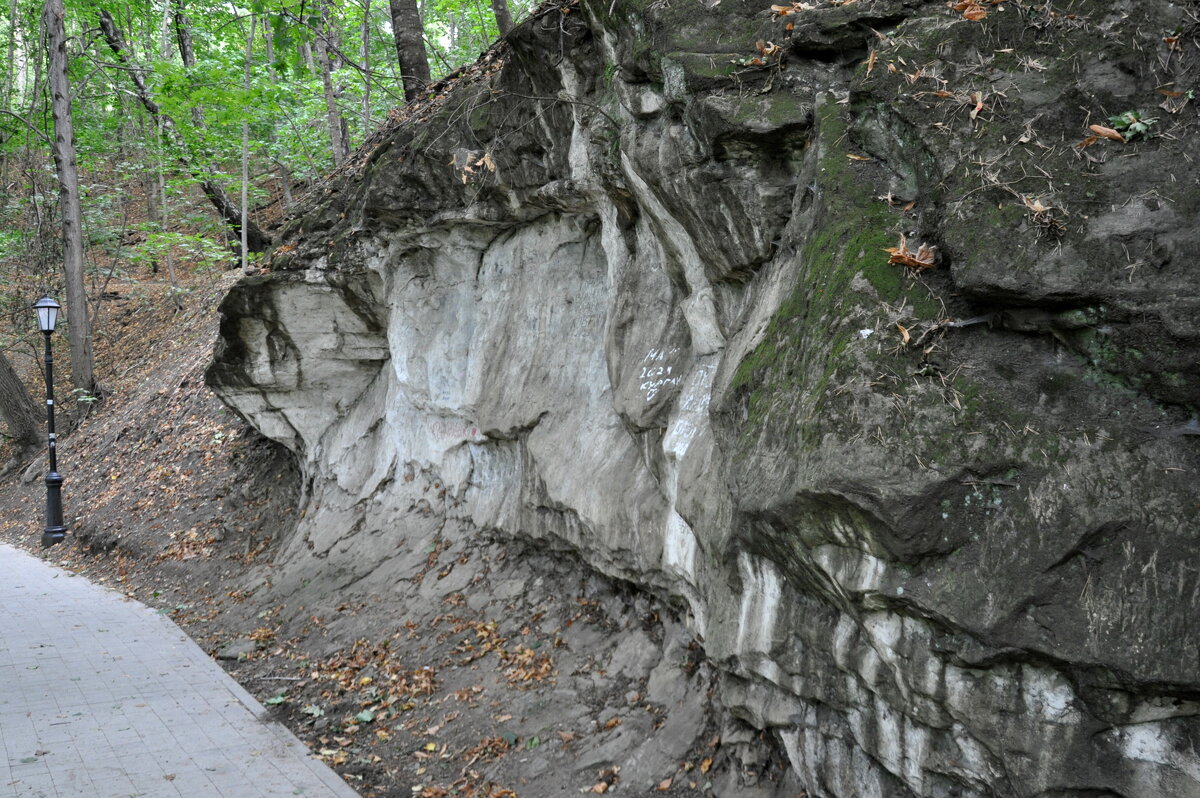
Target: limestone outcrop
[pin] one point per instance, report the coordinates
(623, 290)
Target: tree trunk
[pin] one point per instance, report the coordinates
(226, 209)
(337, 140)
(10, 78)
(504, 20)
(306, 56)
(151, 179)
(366, 67)
(246, 148)
(20, 412)
(164, 221)
(79, 329)
(183, 37)
(160, 191)
(285, 176)
(410, 47)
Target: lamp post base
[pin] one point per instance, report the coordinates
(56, 530)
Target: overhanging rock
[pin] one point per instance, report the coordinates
(624, 290)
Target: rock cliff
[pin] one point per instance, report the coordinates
(622, 289)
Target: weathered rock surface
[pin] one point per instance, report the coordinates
(625, 294)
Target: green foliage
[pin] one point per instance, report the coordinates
(84, 397)
(202, 251)
(1132, 125)
(122, 153)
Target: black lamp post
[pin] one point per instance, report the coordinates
(47, 314)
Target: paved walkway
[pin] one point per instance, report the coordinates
(102, 697)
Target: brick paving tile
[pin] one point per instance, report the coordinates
(101, 697)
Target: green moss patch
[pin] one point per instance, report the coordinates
(807, 339)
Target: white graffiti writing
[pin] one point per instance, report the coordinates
(693, 407)
(660, 374)
(661, 354)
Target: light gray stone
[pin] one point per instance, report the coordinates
(634, 656)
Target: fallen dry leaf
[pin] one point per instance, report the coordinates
(1035, 205)
(904, 336)
(854, 157)
(664, 785)
(1106, 132)
(783, 11)
(977, 98)
(971, 10)
(706, 764)
(922, 258)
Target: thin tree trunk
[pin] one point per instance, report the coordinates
(410, 47)
(164, 220)
(226, 209)
(20, 412)
(151, 178)
(10, 78)
(79, 329)
(366, 67)
(246, 147)
(164, 49)
(306, 55)
(285, 182)
(482, 28)
(339, 147)
(35, 90)
(504, 20)
(183, 36)
(285, 176)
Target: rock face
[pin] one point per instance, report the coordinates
(623, 290)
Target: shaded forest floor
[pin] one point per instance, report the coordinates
(523, 674)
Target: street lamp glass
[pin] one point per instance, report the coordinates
(47, 313)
